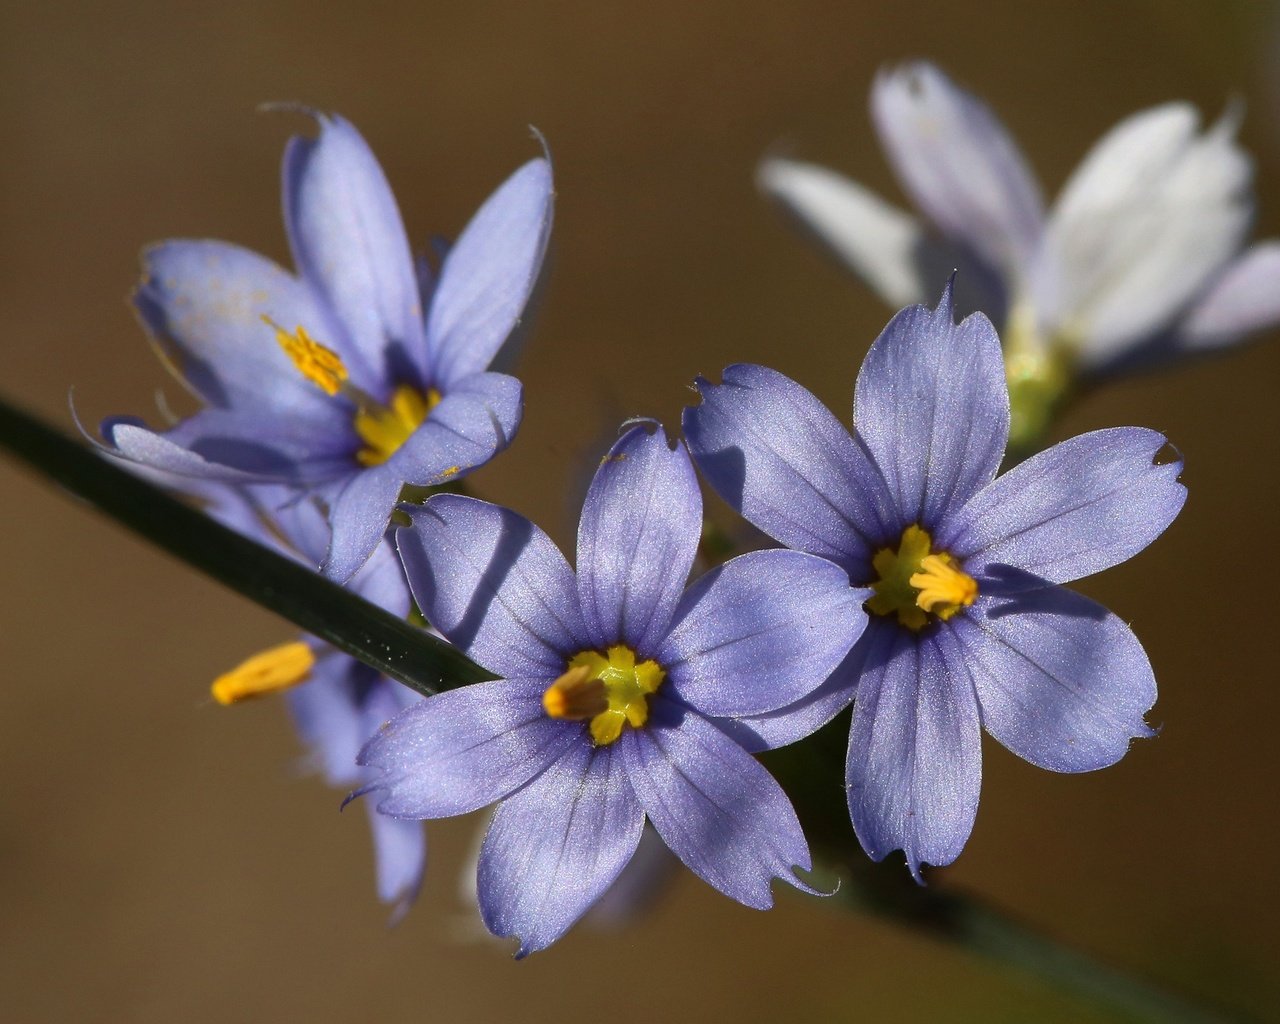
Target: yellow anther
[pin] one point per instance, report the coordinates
(384, 428)
(320, 365)
(267, 672)
(576, 695)
(944, 589)
(610, 690)
(915, 583)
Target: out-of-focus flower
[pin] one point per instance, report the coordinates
(359, 374)
(616, 684)
(968, 625)
(1139, 261)
(336, 701)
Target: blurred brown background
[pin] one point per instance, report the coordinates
(163, 860)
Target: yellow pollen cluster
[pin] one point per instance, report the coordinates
(267, 672)
(914, 582)
(608, 690)
(322, 366)
(384, 428)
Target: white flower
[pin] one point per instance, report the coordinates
(1140, 260)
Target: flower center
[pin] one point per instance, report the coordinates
(915, 583)
(382, 428)
(608, 690)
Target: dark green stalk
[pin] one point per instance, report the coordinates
(319, 607)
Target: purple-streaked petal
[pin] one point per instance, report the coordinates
(1245, 298)
(958, 164)
(555, 846)
(1074, 509)
(714, 805)
(358, 516)
(915, 757)
(489, 275)
(349, 243)
(203, 303)
(780, 458)
(269, 446)
(400, 857)
(128, 438)
(463, 749)
(1154, 212)
(473, 422)
(933, 408)
(640, 527)
(494, 585)
(761, 631)
(794, 722)
(1062, 682)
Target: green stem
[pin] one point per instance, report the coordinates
(321, 608)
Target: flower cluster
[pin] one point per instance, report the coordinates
(910, 579)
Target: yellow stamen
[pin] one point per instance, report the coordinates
(609, 690)
(320, 365)
(384, 429)
(267, 672)
(944, 589)
(576, 695)
(915, 582)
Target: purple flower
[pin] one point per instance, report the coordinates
(968, 626)
(616, 682)
(336, 701)
(1140, 260)
(359, 374)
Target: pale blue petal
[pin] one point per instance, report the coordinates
(349, 242)
(1077, 508)
(494, 585)
(1062, 682)
(781, 459)
(489, 274)
(761, 631)
(203, 302)
(807, 715)
(358, 517)
(1244, 298)
(476, 419)
(556, 845)
(915, 757)
(932, 405)
(958, 164)
(400, 857)
(128, 438)
(640, 527)
(463, 749)
(714, 805)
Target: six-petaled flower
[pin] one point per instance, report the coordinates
(616, 685)
(359, 374)
(969, 628)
